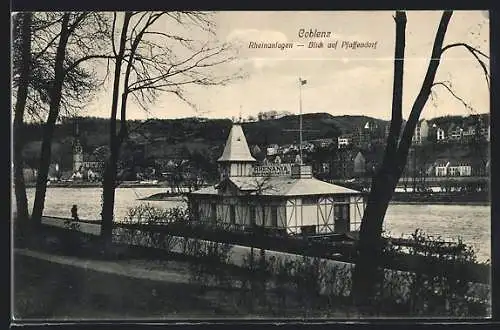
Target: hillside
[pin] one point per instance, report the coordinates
(170, 138)
(167, 137)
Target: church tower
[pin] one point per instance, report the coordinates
(236, 159)
(77, 151)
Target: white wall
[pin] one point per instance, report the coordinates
(356, 212)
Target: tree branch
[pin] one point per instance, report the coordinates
(425, 90)
(474, 52)
(86, 58)
(441, 83)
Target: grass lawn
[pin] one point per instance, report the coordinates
(46, 290)
(49, 290)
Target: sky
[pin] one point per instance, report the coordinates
(340, 81)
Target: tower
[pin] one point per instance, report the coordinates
(77, 151)
(236, 159)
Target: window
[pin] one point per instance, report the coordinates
(195, 209)
(232, 214)
(263, 215)
(213, 212)
(308, 230)
(274, 216)
(341, 218)
(252, 215)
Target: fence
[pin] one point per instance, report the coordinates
(332, 276)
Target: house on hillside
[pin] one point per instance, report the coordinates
(455, 133)
(282, 197)
(440, 135)
(485, 132)
(452, 168)
(359, 164)
(321, 169)
(344, 141)
(322, 143)
(257, 153)
(421, 132)
(343, 164)
(255, 150)
(272, 149)
(362, 137)
(54, 172)
(469, 133)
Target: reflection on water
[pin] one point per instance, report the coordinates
(470, 222)
(59, 201)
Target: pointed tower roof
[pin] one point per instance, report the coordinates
(236, 149)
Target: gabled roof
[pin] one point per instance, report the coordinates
(280, 186)
(236, 148)
(454, 162)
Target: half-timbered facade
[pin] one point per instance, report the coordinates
(284, 197)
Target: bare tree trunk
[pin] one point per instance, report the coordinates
(365, 274)
(110, 172)
(108, 189)
(24, 20)
(385, 181)
(48, 132)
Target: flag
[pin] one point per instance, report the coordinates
(302, 82)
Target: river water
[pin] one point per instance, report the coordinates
(470, 222)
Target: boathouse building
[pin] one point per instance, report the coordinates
(281, 197)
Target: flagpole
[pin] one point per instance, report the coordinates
(300, 120)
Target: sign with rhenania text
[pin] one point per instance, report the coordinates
(272, 170)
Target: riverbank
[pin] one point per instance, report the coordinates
(126, 184)
(444, 198)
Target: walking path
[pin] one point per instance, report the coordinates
(141, 270)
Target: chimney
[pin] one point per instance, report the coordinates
(300, 171)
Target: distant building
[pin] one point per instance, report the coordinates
(83, 162)
(362, 137)
(455, 133)
(54, 172)
(272, 149)
(257, 153)
(387, 129)
(373, 158)
(453, 168)
(77, 155)
(421, 132)
(322, 143)
(307, 146)
(343, 141)
(256, 150)
(469, 133)
(359, 164)
(440, 135)
(343, 164)
(485, 132)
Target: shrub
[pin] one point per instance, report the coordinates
(145, 215)
(441, 284)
